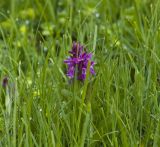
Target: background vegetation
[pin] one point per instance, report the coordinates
(117, 107)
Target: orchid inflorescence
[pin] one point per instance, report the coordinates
(5, 82)
(78, 62)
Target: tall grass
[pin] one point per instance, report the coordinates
(117, 107)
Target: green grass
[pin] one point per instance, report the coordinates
(118, 107)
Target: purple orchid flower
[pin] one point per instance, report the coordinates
(78, 62)
(5, 82)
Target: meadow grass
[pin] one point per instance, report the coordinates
(118, 107)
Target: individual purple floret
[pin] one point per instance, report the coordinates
(78, 62)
